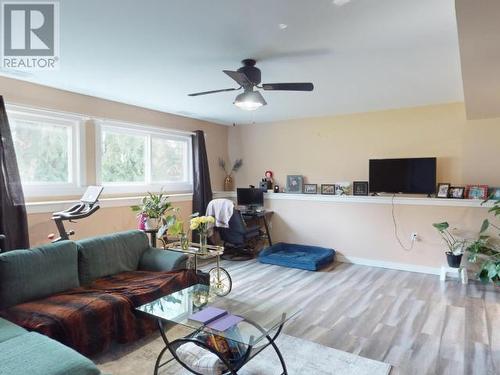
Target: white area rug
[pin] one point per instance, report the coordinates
(302, 358)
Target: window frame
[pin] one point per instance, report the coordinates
(149, 132)
(76, 148)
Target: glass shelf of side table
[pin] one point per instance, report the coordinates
(261, 325)
(220, 280)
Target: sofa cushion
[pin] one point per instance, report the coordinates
(26, 275)
(9, 330)
(36, 354)
(162, 260)
(111, 254)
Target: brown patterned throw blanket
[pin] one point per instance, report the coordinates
(89, 319)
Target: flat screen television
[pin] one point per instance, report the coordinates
(410, 176)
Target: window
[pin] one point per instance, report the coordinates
(47, 148)
(123, 157)
(134, 158)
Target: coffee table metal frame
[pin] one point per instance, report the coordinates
(232, 369)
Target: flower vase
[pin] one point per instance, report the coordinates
(184, 241)
(228, 183)
(203, 242)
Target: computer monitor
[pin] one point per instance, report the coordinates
(252, 198)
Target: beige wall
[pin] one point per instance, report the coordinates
(366, 231)
(114, 219)
(23, 93)
(335, 149)
(479, 38)
(106, 220)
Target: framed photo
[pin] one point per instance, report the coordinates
(494, 193)
(457, 192)
(310, 188)
(294, 184)
(343, 188)
(477, 191)
(442, 190)
(360, 188)
(328, 189)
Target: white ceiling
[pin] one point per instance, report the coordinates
(365, 55)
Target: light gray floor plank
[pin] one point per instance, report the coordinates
(410, 320)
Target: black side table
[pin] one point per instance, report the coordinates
(152, 236)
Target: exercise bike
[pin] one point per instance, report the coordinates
(89, 203)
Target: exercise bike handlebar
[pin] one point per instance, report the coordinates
(87, 206)
(78, 211)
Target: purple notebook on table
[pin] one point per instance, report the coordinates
(226, 322)
(215, 318)
(208, 315)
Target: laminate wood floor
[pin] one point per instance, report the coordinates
(410, 320)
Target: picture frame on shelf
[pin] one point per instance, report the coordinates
(456, 192)
(360, 188)
(443, 189)
(476, 191)
(294, 184)
(494, 193)
(310, 189)
(328, 189)
(343, 188)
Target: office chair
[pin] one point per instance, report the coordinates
(239, 239)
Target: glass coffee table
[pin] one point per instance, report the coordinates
(259, 328)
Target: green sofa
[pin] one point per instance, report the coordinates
(73, 275)
(23, 352)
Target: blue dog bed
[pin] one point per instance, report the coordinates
(305, 257)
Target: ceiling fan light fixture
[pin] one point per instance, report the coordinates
(249, 101)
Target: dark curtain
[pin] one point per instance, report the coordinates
(13, 220)
(202, 190)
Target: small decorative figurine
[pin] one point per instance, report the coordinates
(269, 179)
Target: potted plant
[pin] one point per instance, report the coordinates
(487, 249)
(228, 180)
(455, 246)
(153, 209)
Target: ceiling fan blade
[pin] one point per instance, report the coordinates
(211, 92)
(298, 86)
(263, 100)
(240, 78)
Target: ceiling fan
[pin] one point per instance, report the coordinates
(248, 77)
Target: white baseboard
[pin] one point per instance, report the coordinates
(389, 265)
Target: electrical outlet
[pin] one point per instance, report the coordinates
(414, 236)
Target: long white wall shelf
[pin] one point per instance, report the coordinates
(52, 206)
(386, 199)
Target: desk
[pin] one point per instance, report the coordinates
(260, 216)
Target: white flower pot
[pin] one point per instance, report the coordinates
(151, 224)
